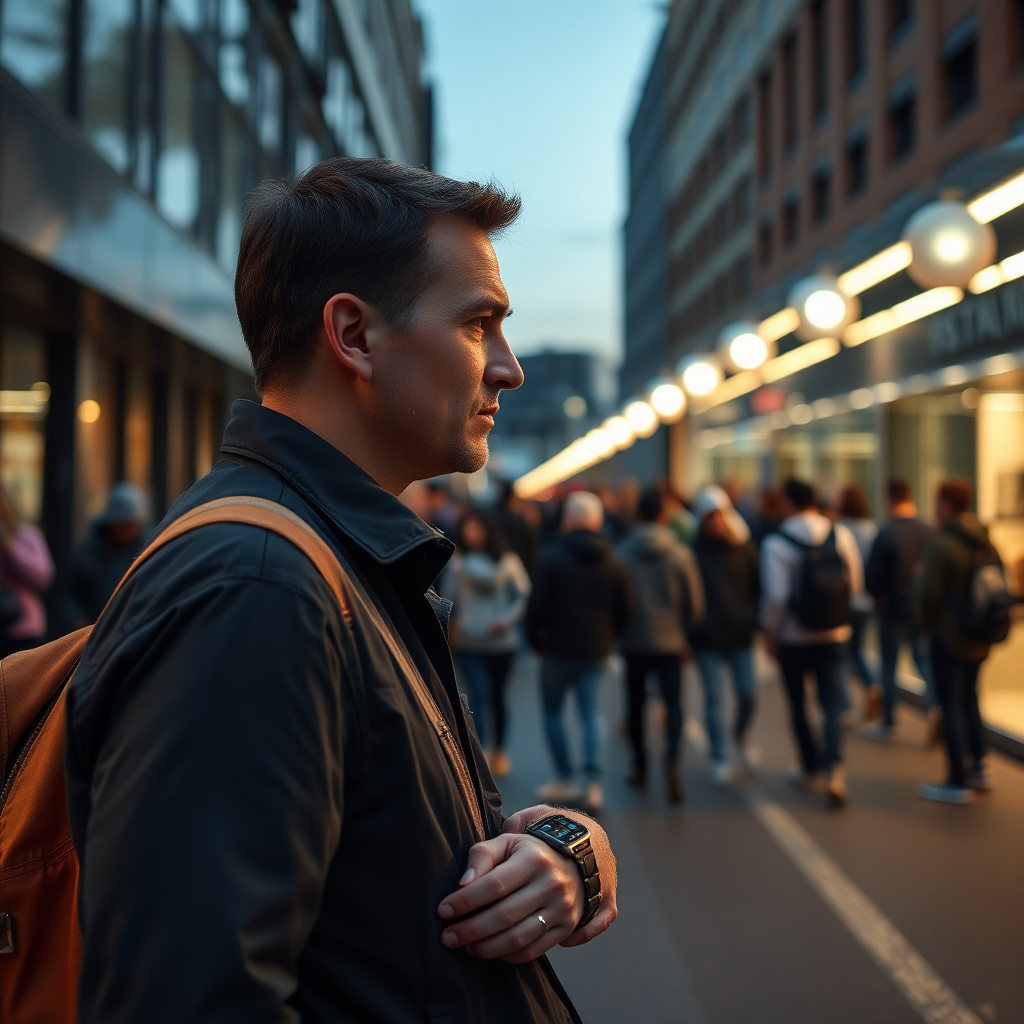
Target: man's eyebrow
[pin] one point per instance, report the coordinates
(498, 306)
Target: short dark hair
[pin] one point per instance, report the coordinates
(345, 225)
(898, 491)
(650, 504)
(495, 544)
(853, 503)
(958, 494)
(799, 493)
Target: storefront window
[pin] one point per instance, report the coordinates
(94, 435)
(177, 186)
(105, 62)
(24, 401)
(33, 44)
(138, 428)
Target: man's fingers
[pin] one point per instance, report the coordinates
(500, 917)
(602, 921)
(487, 888)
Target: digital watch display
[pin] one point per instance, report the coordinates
(573, 839)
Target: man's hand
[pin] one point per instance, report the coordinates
(512, 881)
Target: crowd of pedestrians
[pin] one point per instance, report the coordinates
(664, 582)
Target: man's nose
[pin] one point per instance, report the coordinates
(503, 371)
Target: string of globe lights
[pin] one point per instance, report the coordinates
(946, 246)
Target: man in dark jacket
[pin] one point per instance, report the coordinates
(579, 606)
(730, 569)
(668, 602)
(269, 826)
(956, 658)
(896, 559)
(113, 542)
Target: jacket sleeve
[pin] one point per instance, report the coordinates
(216, 807)
(930, 586)
(846, 544)
(28, 558)
(622, 598)
(696, 605)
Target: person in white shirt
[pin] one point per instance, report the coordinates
(811, 570)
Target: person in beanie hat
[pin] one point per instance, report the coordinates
(115, 538)
(729, 566)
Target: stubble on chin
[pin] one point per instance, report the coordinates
(468, 456)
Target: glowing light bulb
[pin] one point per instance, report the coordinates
(89, 411)
(825, 309)
(950, 247)
(701, 378)
(748, 351)
(619, 431)
(668, 401)
(641, 417)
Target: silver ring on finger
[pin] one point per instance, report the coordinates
(540, 917)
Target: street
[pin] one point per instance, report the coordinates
(722, 921)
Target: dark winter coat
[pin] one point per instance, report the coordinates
(265, 818)
(732, 592)
(896, 558)
(581, 600)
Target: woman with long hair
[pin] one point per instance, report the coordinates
(489, 587)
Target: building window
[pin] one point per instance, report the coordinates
(856, 166)
(821, 194)
(764, 243)
(901, 16)
(819, 56)
(960, 66)
(901, 127)
(790, 94)
(764, 119)
(790, 221)
(105, 58)
(741, 121)
(855, 56)
(33, 45)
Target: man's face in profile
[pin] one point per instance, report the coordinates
(437, 382)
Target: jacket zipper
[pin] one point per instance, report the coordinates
(27, 748)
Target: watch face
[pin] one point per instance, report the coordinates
(560, 828)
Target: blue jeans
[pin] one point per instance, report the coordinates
(956, 688)
(485, 676)
(741, 665)
(826, 662)
(892, 635)
(557, 677)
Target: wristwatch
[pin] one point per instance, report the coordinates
(573, 839)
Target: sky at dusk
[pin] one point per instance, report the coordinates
(539, 95)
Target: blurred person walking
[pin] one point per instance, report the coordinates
(730, 569)
(489, 587)
(855, 515)
(579, 607)
(668, 602)
(896, 560)
(26, 571)
(963, 604)
(97, 564)
(519, 533)
(810, 571)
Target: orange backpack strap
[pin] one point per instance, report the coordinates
(269, 515)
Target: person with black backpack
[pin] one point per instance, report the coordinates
(810, 570)
(963, 602)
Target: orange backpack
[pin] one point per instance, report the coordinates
(40, 942)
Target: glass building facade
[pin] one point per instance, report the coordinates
(131, 132)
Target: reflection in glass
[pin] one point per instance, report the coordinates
(270, 123)
(24, 399)
(232, 187)
(177, 183)
(108, 27)
(233, 59)
(33, 44)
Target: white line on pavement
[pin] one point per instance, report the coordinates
(930, 996)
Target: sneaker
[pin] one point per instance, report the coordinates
(835, 791)
(873, 704)
(879, 733)
(593, 798)
(674, 784)
(979, 779)
(808, 782)
(558, 791)
(501, 766)
(721, 774)
(946, 794)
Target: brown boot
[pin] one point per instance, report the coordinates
(933, 733)
(835, 792)
(674, 784)
(873, 704)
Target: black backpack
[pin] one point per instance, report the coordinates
(821, 598)
(984, 613)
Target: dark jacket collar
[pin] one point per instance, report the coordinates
(348, 497)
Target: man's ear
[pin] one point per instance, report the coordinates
(349, 323)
